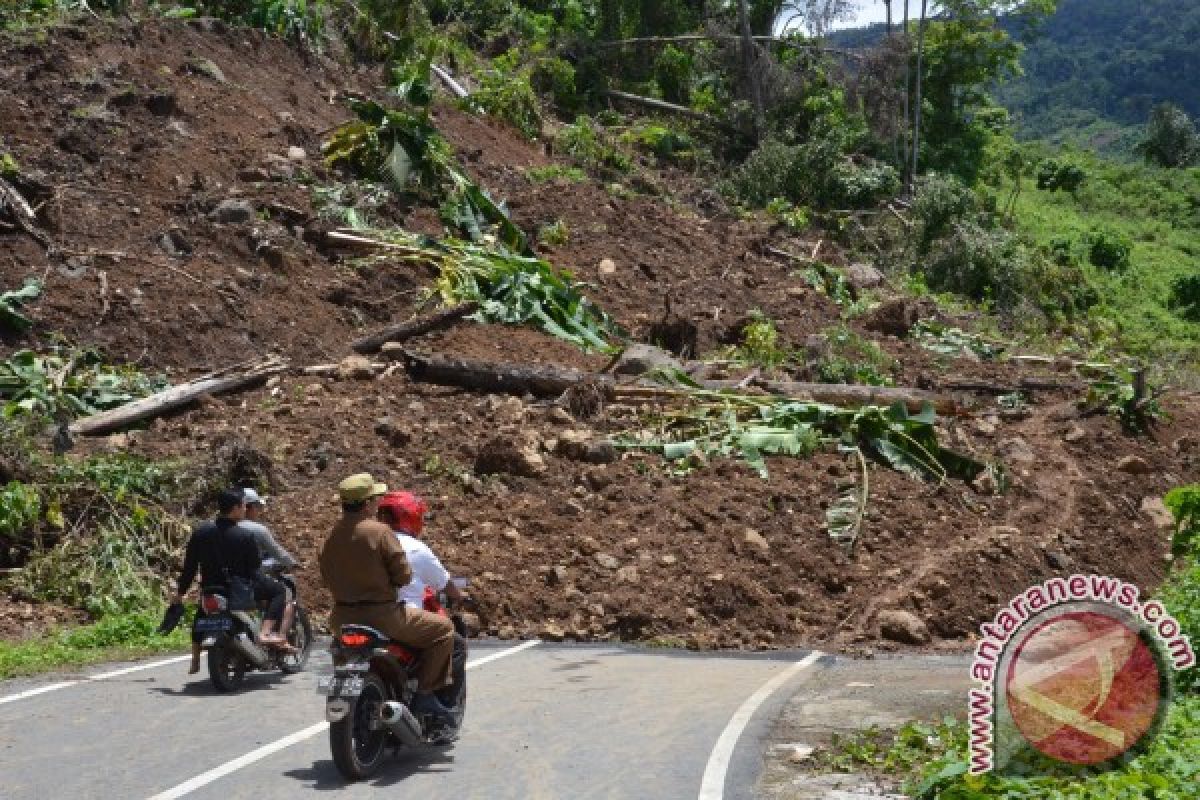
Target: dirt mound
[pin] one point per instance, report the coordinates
(180, 214)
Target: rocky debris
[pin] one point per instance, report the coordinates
(355, 368)
(552, 632)
(638, 359)
(607, 266)
(471, 623)
(754, 541)
(510, 534)
(510, 454)
(607, 561)
(895, 317)
(1058, 560)
(296, 154)
(1074, 434)
(628, 575)
(1154, 508)
(863, 276)
(394, 434)
(668, 560)
(986, 483)
(232, 211)
(174, 244)
(903, 626)
(204, 67)
(583, 446)
(1017, 451)
(505, 410)
(1135, 465)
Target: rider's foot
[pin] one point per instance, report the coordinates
(427, 703)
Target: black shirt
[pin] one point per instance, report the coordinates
(219, 548)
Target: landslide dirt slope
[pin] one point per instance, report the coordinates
(131, 135)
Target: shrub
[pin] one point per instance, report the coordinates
(986, 265)
(662, 141)
(556, 78)
(673, 73)
(941, 200)
(505, 91)
(1109, 250)
(1060, 176)
(815, 173)
(584, 142)
(855, 360)
(1185, 297)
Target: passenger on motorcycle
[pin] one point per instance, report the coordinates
(219, 549)
(363, 566)
(266, 585)
(404, 513)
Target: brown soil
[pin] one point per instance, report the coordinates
(130, 143)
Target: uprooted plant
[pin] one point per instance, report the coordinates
(11, 302)
(402, 148)
(509, 288)
(68, 384)
(725, 424)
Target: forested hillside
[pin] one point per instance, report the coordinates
(1098, 66)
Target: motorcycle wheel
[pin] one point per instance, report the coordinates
(359, 741)
(226, 668)
(300, 637)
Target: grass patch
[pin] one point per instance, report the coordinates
(114, 638)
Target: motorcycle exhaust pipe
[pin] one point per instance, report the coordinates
(251, 651)
(401, 722)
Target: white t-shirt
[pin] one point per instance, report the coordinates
(426, 570)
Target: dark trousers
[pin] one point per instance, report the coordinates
(271, 592)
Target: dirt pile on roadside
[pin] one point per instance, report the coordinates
(180, 215)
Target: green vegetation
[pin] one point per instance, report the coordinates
(11, 303)
(555, 172)
(116, 637)
(854, 359)
(725, 424)
(760, 343)
(67, 384)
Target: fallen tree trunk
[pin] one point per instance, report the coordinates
(661, 105)
(156, 405)
(487, 376)
(454, 86)
(550, 381)
(834, 394)
(416, 326)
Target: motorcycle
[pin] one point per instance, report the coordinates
(231, 637)
(369, 694)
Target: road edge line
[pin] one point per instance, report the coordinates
(229, 767)
(12, 698)
(712, 787)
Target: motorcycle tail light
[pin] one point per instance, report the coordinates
(212, 603)
(355, 639)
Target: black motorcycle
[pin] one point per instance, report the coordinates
(231, 637)
(369, 695)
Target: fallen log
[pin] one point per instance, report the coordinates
(168, 400)
(501, 378)
(454, 86)
(417, 326)
(661, 105)
(550, 381)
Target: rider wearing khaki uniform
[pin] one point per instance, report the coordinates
(363, 565)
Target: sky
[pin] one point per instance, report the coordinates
(869, 11)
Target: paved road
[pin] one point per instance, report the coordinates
(543, 721)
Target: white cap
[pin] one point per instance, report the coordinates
(252, 498)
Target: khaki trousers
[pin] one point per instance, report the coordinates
(432, 634)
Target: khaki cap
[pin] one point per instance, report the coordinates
(360, 488)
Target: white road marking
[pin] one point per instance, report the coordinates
(187, 787)
(712, 787)
(12, 698)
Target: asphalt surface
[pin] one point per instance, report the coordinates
(547, 721)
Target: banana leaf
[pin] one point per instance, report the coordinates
(11, 302)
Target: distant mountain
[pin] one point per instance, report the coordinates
(1095, 69)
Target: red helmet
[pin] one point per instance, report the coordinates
(406, 511)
